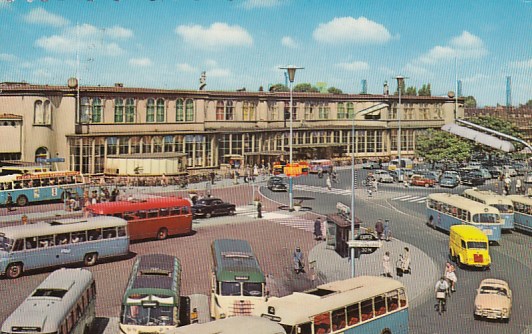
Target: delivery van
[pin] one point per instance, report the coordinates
(469, 246)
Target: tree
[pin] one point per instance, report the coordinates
(425, 90)
(278, 87)
(497, 124)
(437, 145)
(470, 102)
(529, 103)
(306, 87)
(412, 91)
(334, 90)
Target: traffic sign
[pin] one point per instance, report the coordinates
(365, 243)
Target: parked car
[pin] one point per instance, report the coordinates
(420, 180)
(449, 182)
(528, 177)
(211, 206)
(473, 179)
(493, 300)
(382, 176)
(495, 171)
(432, 175)
(371, 165)
(450, 173)
(276, 183)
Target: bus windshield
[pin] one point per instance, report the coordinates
(150, 316)
(5, 243)
(477, 245)
(485, 218)
(231, 289)
(252, 289)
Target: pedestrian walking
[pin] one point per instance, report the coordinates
(259, 209)
(450, 276)
(379, 228)
(405, 260)
(507, 185)
(387, 265)
(328, 182)
(387, 230)
(298, 261)
(9, 202)
(518, 186)
(318, 235)
(212, 176)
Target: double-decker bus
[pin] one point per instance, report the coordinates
(364, 304)
(60, 242)
(249, 324)
(9, 170)
(149, 218)
(491, 198)
(40, 187)
(238, 283)
(445, 210)
(152, 301)
(523, 212)
(64, 303)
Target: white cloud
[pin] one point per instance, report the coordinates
(186, 68)
(41, 16)
(343, 30)
(7, 57)
(216, 36)
(85, 37)
(525, 64)
(218, 72)
(250, 4)
(211, 63)
(353, 66)
(465, 46)
(289, 42)
(477, 78)
(415, 70)
(140, 62)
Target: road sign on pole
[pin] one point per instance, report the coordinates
(365, 243)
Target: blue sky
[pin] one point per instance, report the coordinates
(242, 43)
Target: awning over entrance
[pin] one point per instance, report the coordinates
(373, 110)
(479, 137)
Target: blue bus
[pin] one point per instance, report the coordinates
(491, 198)
(445, 210)
(64, 303)
(364, 304)
(523, 212)
(61, 242)
(40, 187)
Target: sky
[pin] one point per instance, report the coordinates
(242, 43)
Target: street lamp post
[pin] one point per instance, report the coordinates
(353, 195)
(400, 83)
(291, 70)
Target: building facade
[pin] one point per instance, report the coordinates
(207, 129)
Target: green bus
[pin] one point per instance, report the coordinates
(238, 283)
(152, 301)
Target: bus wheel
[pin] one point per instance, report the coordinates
(14, 270)
(90, 259)
(22, 200)
(386, 331)
(162, 234)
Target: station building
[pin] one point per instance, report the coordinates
(95, 129)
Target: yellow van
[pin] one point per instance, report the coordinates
(469, 246)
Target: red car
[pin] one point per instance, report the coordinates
(420, 180)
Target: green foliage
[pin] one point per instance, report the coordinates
(334, 90)
(278, 87)
(529, 103)
(497, 124)
(437, 145)
(425, 90)
(306, 87)
(412, 91)
(470, 102)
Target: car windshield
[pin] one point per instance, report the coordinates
(487, 289)
(477, 245)
(202, 202)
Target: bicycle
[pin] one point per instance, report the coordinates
(441, 297)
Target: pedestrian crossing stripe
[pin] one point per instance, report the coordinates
(322, 189)
(411, 199)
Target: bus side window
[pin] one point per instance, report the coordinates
(175, 211)
(338, 319)
(141, 214)
(119, 215)
(322, 323)
(95, 234)
(185, 210)
(78, 237)
(19, 245)
(121, 231)
(31, 243)
(353, 314)
(153, 213)
(46, 241)
(367, 309)
(109, 232)
(129, 216)
(380, 306)
(164, 212)
(62, 239)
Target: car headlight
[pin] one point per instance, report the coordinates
(478, 308)
(505, 311)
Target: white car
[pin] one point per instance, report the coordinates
(493, 300)
(382, 176)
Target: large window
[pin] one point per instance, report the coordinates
(112, 146)
(229, 111)
(130, 111)
(150, 111)
(123, 145)
(224, 111)
(350, 110)
(341, 111)
(97, 110)
(85, 110)
(248, 110)
(189, 110)
(168, 144)
(179, 111)
(161, 114)
(119, 110)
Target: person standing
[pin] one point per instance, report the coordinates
(259, 209)
(405, 260)
(387, 230)
(450, 276)
(379, 228)
(518, 186)
(507, 185)
(9, 202)
(328, 182)
(298, 261)
(387, 265)
(318, 235)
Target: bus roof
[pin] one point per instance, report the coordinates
(136, 205)
(471, 232)
(520, 199)
(47, 306)
(60, 226)
(233, 258)
(487, 196)
(47, 174)
(463, 203)
(298, 307)
(231, 325)
(154, 274)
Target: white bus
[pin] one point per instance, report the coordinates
(491, 198)
(233, 325)
(523, 212)
(64, 303)
(60, 242)
(364, 304)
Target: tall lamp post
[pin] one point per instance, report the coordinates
(400, 83)
(291, 70)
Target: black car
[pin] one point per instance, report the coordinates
(276, 183)
(211, 206)
(473, 179)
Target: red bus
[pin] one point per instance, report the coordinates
(149, 218)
